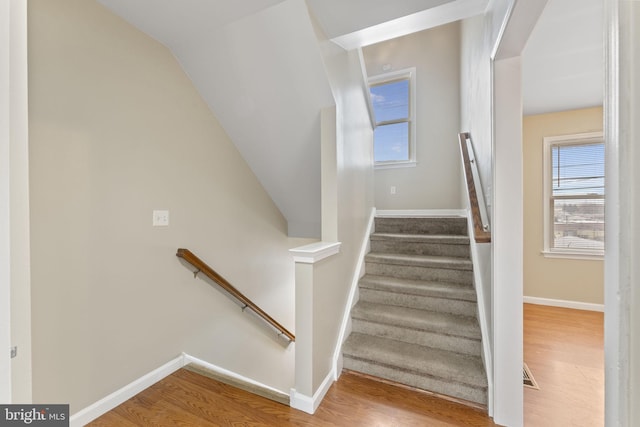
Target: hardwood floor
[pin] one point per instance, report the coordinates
(564, 350)
(188, 399)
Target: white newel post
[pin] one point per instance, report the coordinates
(303, 395)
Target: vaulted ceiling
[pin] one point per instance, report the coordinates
(258, 65)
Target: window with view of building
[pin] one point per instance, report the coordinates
(574, 195)
(393, 101)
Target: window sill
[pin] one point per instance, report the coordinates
(395, 165)
(595, 256)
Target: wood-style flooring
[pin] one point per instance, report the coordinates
(564, 350)
(188, 399)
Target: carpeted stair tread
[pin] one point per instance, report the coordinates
(424, 320)
(417, 359)
(415, 321)
(451, 263)
(444, 239)
(425, 225)
(436, 289)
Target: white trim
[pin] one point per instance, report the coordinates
(5, 198)
(592, 256)
(429, 18)
(577, 305)
(365, 87)
(104, 405)
(507, 243)
(241, 378)
(351, 300)
(109, 402)
(483, 316)
(380, 79)
(395, 165)
(421, 213)
(310, 404)
(314, 252)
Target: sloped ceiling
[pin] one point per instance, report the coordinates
(258, 65)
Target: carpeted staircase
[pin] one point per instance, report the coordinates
(415, 322)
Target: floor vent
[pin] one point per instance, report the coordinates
(527, 378)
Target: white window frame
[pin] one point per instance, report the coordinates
(410, 74)
(550, 141)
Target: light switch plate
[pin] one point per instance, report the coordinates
(160, 218)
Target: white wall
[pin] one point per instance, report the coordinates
(116, 130)
(348, 190)
(475, 95)
(479, 117)
(435, 181)
(475, 118)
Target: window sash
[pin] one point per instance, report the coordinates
(578, 234)
(396, 147)
(577, 168)
(398, 108)
(578, 223)
(406, 115)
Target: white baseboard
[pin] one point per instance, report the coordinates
(106, 404)
(413, 213)
(190, 359)
(310, 404)
(577, 305)
(120, 396)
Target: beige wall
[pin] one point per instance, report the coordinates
(117, 130)
(435, 182)
(563, 279)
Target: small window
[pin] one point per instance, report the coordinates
(393, 101)
(574, 195)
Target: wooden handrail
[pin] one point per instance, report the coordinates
(202, 267)
(480, 233)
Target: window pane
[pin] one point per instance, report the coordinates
(578, 169)
(578, 223)
(391, 142)
(390, 101)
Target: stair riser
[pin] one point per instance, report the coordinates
(465, 293)
(414, 272)
(465, 308)
(433, 384)
(437, 340)
(435, 226)
(420, 248)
